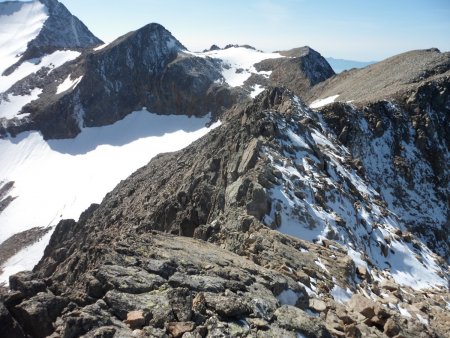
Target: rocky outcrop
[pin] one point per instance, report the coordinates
(5, 198)
(300, 70)
(189, 245)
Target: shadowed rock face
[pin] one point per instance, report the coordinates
(186, 244)
(148, 68)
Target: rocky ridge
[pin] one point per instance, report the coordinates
(394, 78)
(285, 221)
(140, 263)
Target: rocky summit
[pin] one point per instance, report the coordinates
(316, 207)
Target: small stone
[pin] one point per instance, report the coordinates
(352, 331)
(391, 328)
(199, 303)
(259, 323)
(389, 285)
(135, 319)
(362, 271)
(361, 304)
(177, 329)
(407, 237)
(317, 304)
(277, 173)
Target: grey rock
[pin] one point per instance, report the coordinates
(228, 305)
(128, 279)
(37, 314)
(292, 318)
(10, 327)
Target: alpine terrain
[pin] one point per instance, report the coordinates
(151, 191)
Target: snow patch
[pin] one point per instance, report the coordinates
(323, 102)
(257, 89)
(409, 271)
(404, 312)
(101, 47)
(356, 257)
(288, 297)
(238, 63)
(68, 84)
(341, 295)
(25, 259)
(320, 264)
(421, 319)
(11, 107)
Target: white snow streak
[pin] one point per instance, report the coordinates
(68, 84)
(323, 102)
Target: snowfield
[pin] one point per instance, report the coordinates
(20, 22)
(238, 63)
(59, 179)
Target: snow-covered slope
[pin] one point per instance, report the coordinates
(20, 22)
(51, 61)
(60, 178)
(321, 195)
(238, 63)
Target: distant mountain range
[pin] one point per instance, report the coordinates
(339, 65)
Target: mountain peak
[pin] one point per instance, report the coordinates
(60, 30)
(152, 34)
(298, 70)
(299, 52)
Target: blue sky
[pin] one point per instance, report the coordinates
(352, 29)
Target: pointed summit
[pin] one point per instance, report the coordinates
(58, 30)
(63, 30)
